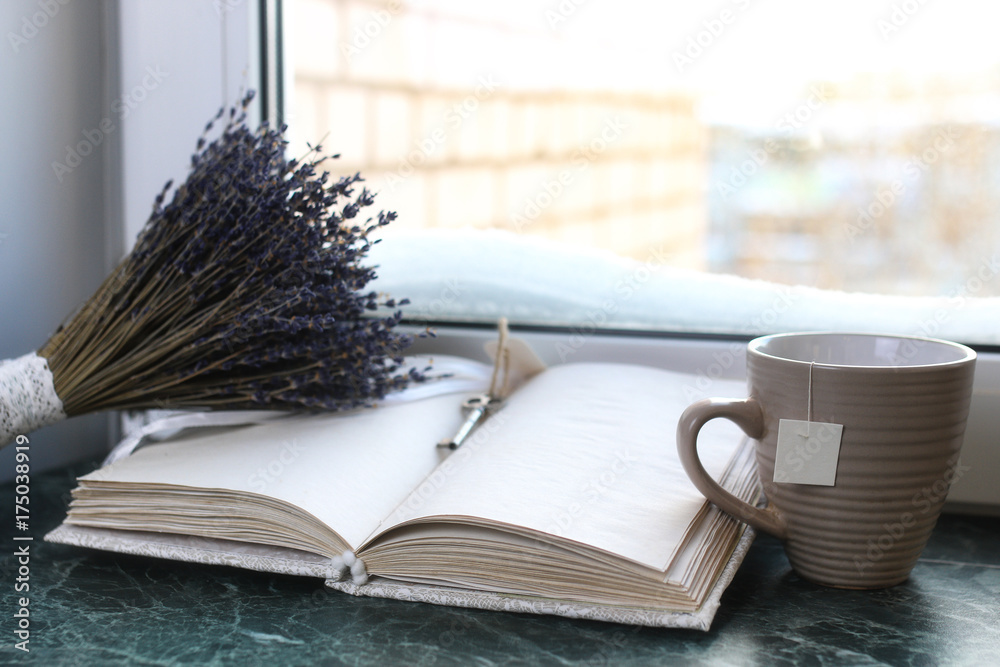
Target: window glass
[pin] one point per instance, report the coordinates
(847, 146)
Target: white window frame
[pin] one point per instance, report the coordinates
(226, 58)
(182, 82)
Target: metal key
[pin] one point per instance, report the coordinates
(479, 407)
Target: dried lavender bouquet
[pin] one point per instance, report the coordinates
(246, 290)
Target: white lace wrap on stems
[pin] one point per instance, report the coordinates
(28, 399)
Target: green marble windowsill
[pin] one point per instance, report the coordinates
(90, 608)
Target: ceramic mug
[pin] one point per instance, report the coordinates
(857, 515)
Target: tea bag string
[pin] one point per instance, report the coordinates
(809, 393)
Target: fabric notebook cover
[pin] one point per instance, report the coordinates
(289, 561)
(458, 597)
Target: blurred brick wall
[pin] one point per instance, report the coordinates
(448, 143)
(892, 188)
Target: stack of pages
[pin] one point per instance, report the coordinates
(569, 500)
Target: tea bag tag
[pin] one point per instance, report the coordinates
(807, 451)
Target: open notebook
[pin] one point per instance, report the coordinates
(569, 500)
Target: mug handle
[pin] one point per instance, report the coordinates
(745, 413)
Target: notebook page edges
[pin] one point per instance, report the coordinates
(347, 471)
(584, 452)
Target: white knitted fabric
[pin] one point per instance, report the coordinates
(28, 399)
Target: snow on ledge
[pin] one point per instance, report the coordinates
(480, 275)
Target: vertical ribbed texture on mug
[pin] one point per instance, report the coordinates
(903, 429)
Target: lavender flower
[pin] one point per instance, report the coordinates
(247, 289)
